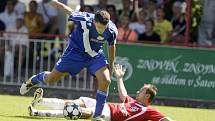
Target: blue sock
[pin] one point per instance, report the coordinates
(100, 101)
(38, 78)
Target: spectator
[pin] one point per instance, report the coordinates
(33, 20)
(206, 34)
(125, 33)
(178, 22)
(19, 27)
(102, 5)
(113, 13)
(139, 25)
(88, 8)
(49, 14)
(167, 7)
(126, 10)
(162, 26)
(19, 42)
(150, 9)
(149, 35)
(19, 7)
(8, 16)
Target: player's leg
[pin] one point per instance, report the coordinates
(52, 103)
(45, 113)
(98, 67)
(103, 77)
(86, 113)
(56, 103)
(56, 106)
(44, 77)
(70, 62)
(90, 103)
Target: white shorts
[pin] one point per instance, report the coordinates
(91, 103)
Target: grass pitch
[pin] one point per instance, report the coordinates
(14, 108)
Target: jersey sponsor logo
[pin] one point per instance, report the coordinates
(143, 110)
(100, 38)
(134, 109)
(96, 40)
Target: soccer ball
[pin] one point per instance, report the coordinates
(72, 111)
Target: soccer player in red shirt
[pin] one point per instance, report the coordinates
(138, 109)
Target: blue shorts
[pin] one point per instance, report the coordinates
(73, 61)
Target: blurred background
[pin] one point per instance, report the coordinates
(169, 43)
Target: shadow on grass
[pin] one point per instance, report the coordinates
(29, 117)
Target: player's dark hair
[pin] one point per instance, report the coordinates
(152, 90)
(102, 16)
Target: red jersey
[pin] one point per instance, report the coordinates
(130, 110)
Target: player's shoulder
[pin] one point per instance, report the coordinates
(91, 15)
(112, 27)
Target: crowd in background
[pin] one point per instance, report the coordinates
(40, 18)
(139, 21)
(147, 20)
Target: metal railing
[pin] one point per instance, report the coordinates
(22, 58)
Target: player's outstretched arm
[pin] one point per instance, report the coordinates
(61, 6)
(119, 73)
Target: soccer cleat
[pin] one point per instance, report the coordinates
(32, 111)
(26, 86)
(38, 95)
(98, 118)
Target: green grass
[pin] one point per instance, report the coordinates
(14, 108)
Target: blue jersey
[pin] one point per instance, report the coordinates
(85, 38)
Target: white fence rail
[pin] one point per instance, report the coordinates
(20, 59)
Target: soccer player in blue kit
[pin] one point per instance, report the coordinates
(84, 50)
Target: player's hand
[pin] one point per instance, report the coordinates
(119, 71)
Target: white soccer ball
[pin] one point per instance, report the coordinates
(72, 111)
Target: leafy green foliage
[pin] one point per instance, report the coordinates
(197, 9)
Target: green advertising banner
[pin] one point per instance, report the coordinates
(181, 73)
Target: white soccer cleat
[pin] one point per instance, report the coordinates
(32, 111)
(38, 95)
(26, 86)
